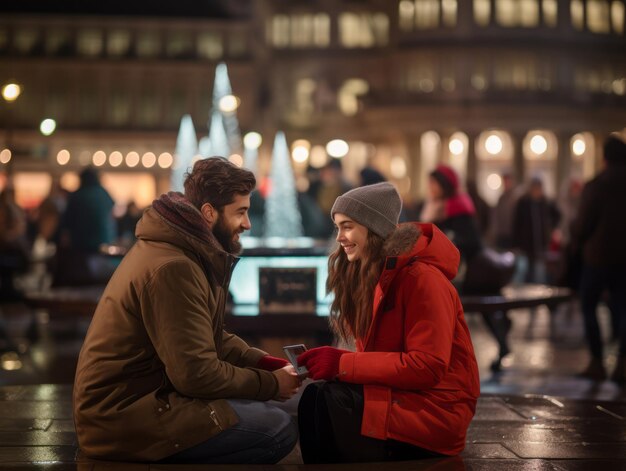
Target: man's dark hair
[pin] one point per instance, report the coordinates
(216, 181)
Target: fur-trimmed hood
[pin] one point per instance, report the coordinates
(426, 242)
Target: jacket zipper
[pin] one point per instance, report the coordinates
(213, 416)
(225, 286)
(231, 262)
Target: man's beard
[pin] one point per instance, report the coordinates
(226, 237)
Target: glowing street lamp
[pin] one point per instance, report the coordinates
(456, 146)
(229, 103)
(132, 159)
(11, 91)
(47, 126)
(538, 144)
(493, 144)
(5, 156)
(252, 140)
(300, 150)
(579, 147)
(337, 148)
(63, 157)
(165, 160)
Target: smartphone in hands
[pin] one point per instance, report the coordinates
(292, 352)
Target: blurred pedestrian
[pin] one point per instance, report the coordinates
(314, 221)
(332, 185)
(600, 232)
(453, 212)
(50, 212)
(569, 261)
(14, 248)
(483, 210)
(87, 223)
(568, 203)
(127, 223)
(369, 176)
(504, 211)
(534, 220)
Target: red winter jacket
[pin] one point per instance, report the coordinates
(417, 362)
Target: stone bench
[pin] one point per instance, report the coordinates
(82, 301)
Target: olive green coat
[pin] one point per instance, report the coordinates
(156, 365)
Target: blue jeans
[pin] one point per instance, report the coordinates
(264, 434)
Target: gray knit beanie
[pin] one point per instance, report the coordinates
(376, 207)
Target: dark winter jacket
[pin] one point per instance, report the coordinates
(600, 227)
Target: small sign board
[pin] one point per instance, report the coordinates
(287, 290)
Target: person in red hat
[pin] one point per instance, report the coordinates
(452, 210)
(409, 390)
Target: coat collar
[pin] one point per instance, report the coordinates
(398, 250)
(209, 254)
(412, 243)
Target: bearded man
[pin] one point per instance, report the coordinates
(158, 378)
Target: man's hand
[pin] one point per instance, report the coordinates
(288, 382)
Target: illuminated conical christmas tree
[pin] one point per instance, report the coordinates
(204, 147)
(224, 136)
(221, 89)
(282, 214)
(217, 136)
(186, 149)
(251, 142)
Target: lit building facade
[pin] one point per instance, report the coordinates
(530, 86)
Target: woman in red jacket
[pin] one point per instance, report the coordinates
(410, 389)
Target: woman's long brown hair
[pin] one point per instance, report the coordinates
(352, 284)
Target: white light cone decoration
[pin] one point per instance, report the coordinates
(217, 135)
(186, 148)
(282, 214)
(250, 159)
(221, 85)
(204, 148)
(222, 88)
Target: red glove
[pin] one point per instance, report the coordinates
(270, 363)
(322, 362)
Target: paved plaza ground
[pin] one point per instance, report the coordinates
(534, 414)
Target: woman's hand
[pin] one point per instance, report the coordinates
(322, 362)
